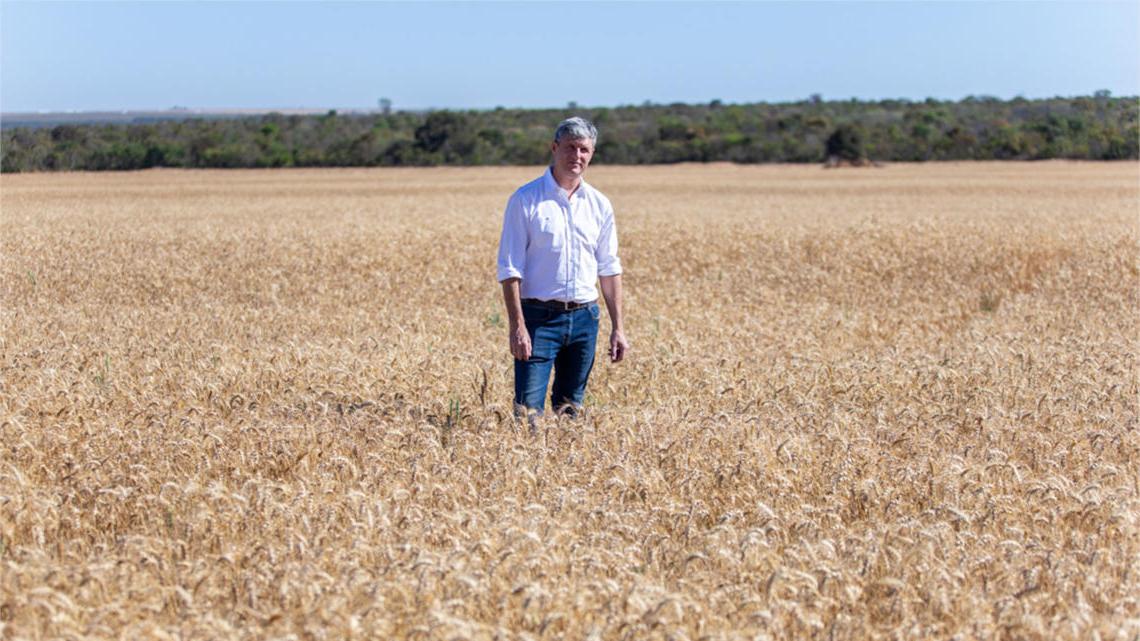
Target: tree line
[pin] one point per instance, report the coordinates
(1098, 127)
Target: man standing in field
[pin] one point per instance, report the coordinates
(558, 240)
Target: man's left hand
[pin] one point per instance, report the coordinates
(618, 345)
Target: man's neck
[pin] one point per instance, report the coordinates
(568, 182)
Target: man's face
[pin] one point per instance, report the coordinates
(572, 155)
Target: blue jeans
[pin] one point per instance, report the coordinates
(562, 340)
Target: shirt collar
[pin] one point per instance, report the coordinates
(553, 185)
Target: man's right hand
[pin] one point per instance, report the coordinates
(520, 343)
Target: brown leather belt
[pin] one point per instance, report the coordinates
(561, 306)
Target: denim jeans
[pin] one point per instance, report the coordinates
(562, 340)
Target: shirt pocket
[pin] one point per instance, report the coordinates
(550, 231)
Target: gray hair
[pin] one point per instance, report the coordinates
(576, 128)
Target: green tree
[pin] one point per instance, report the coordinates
(438, 129)
(846, 143)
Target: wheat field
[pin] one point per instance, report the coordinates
(894, 403)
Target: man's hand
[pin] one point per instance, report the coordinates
(520, 343)
(520, 340)
(618, 345)
(611, 291)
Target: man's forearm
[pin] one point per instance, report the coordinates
(513, 300)
(611, 291)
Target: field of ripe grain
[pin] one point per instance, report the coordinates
(894, 403)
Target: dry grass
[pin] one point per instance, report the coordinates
(894, 404)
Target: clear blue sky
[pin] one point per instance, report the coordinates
(155, 55)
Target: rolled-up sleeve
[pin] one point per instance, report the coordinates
(607, 252)
(512, 243)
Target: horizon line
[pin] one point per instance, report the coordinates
(302, 110)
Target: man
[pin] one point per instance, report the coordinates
(559, 239)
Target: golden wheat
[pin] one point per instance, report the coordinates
(877, 404)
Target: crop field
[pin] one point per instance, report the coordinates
(892, 403)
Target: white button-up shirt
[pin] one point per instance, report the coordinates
(558, 244)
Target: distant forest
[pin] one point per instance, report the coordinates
(1098, 127)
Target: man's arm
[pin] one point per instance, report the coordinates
(520, 339)
(611, 291)
(511, 264)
